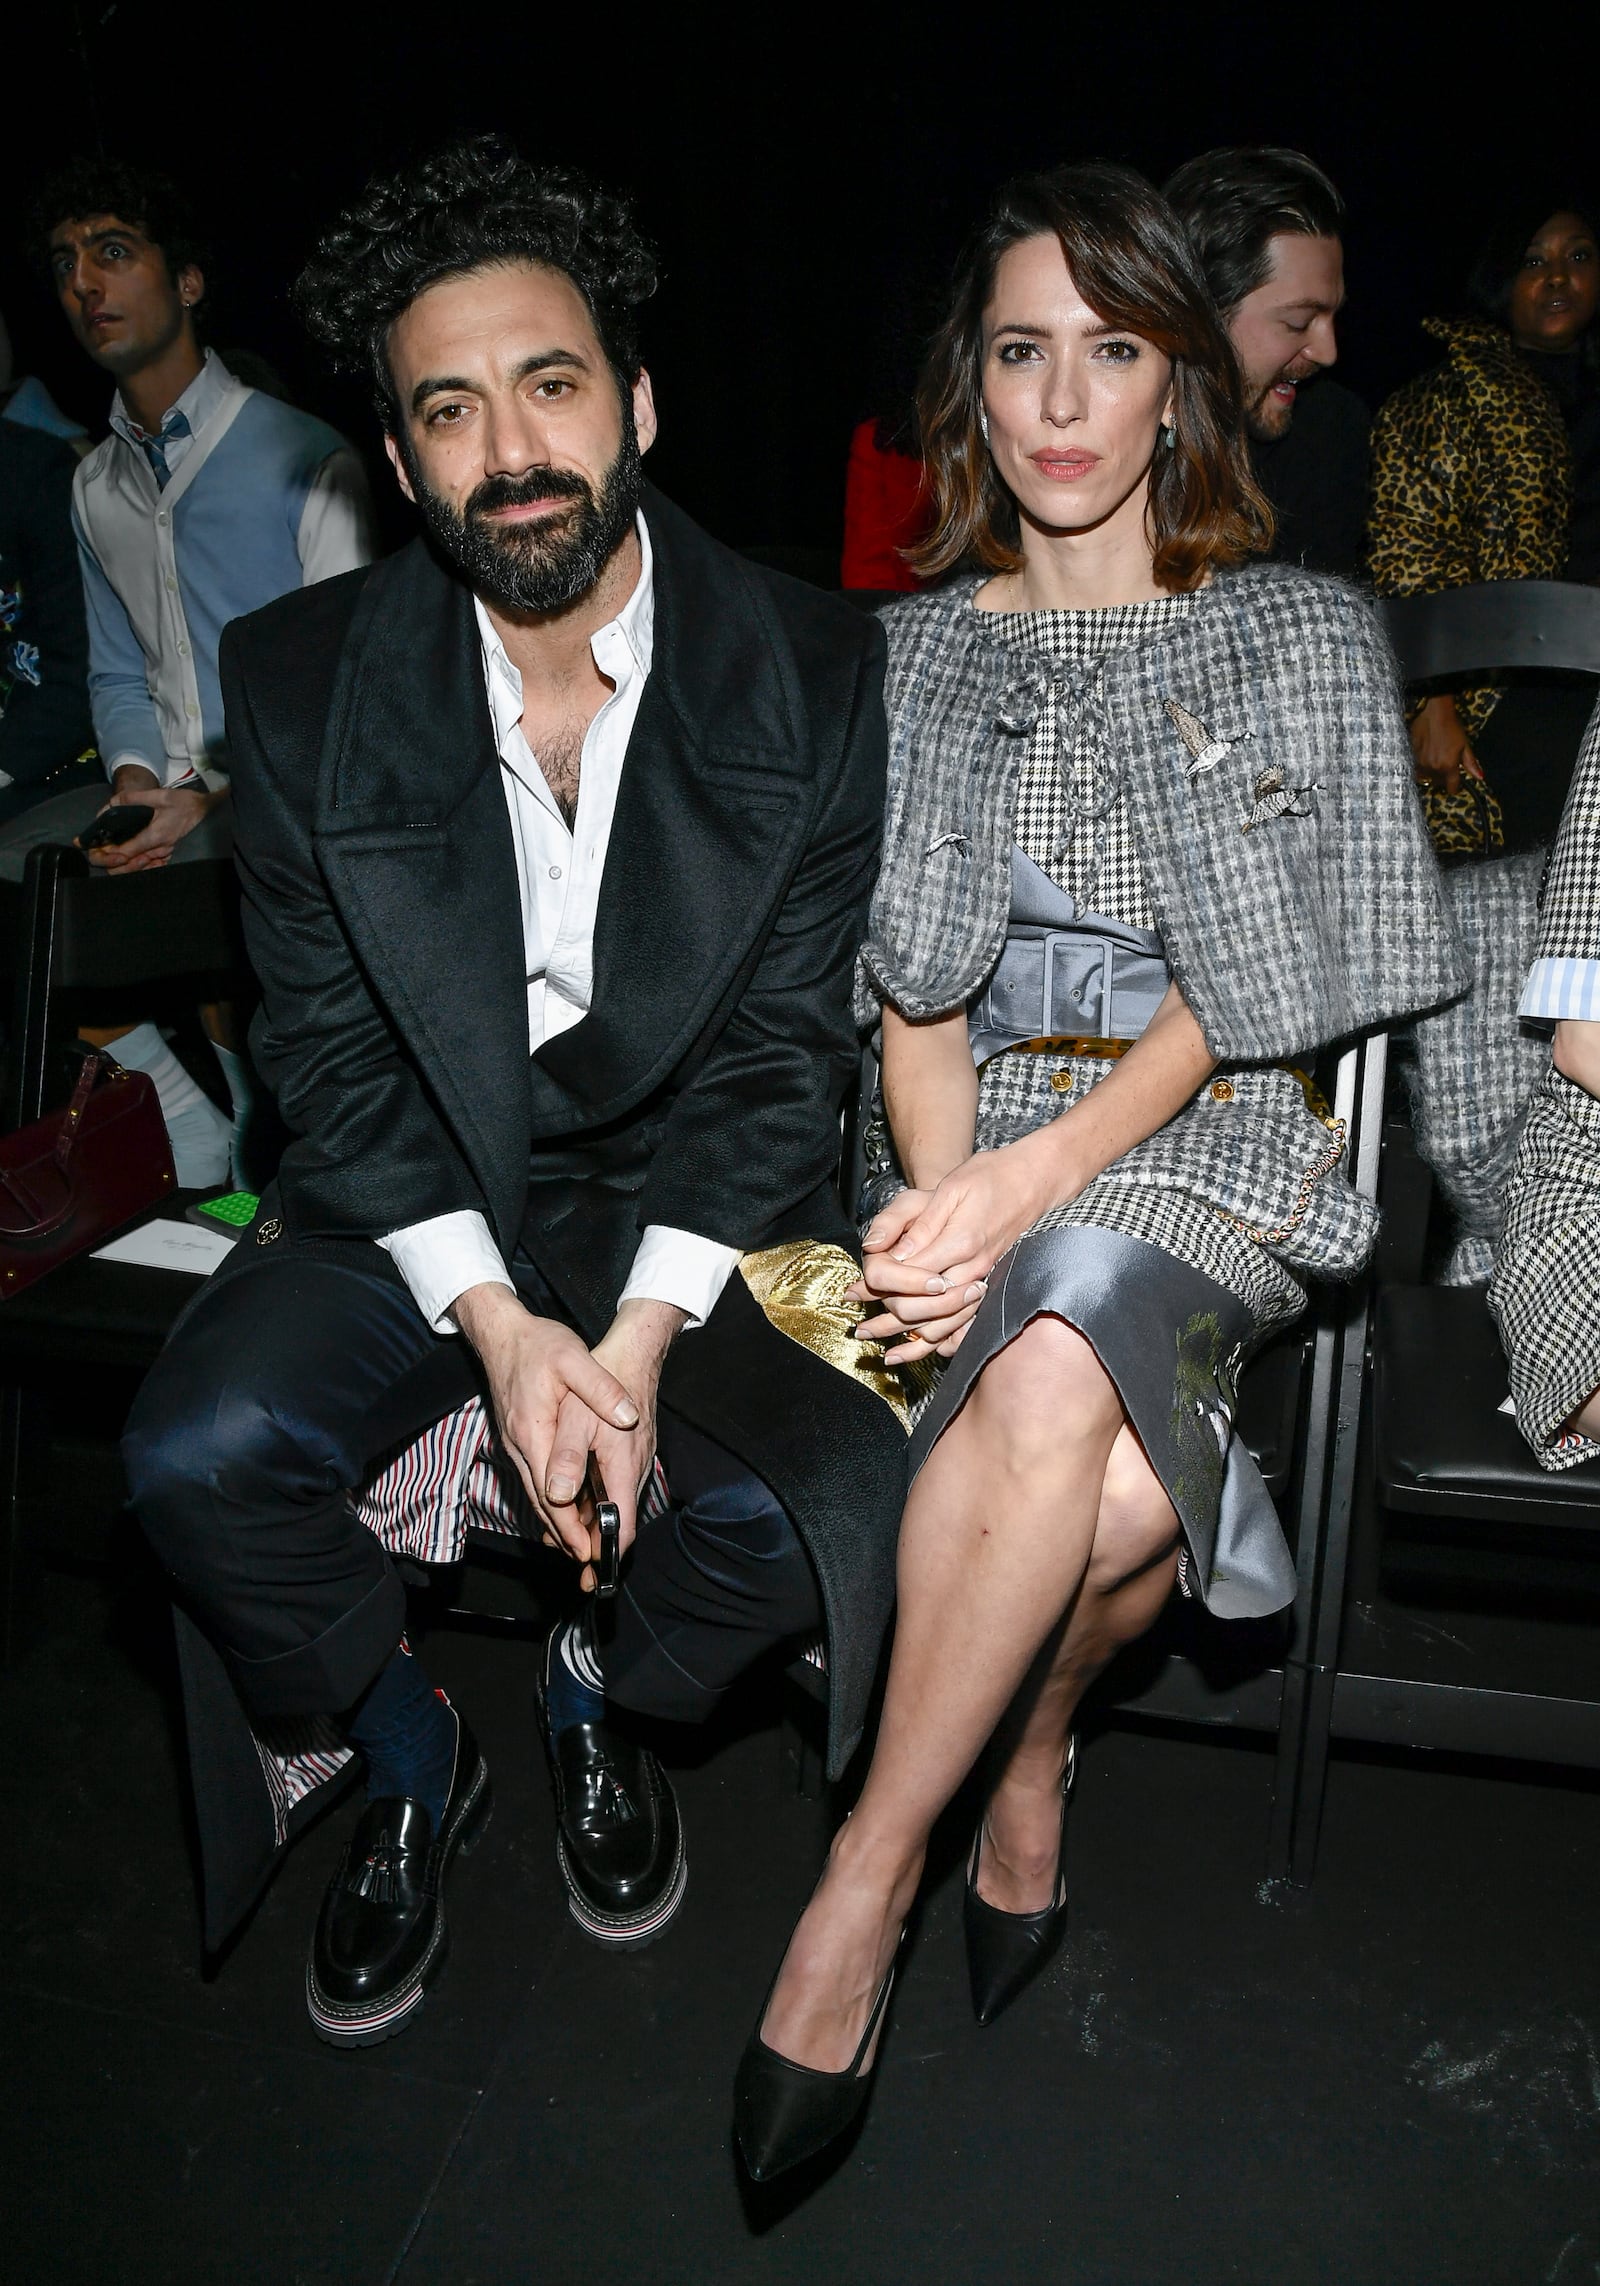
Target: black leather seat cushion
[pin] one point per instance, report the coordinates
(1443, 1446)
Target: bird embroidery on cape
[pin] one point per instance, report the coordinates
(1275, 799)
(1205, 752)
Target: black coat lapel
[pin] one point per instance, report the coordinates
(716, 798)
(711, 820)
(413, 839)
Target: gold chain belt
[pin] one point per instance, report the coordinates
(1107, 1051)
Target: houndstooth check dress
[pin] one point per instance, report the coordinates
(1545, 1292)
(1072, 820)
(1173, 1291)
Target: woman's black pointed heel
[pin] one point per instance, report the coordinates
(1006, 1951)
(784, 2112)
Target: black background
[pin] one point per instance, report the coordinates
(806, 173)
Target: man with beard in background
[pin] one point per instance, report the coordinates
(557, 833)
(1266, 226)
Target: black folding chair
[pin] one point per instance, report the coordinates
(1299, 1408)
(71, 938)
(1491, 1528)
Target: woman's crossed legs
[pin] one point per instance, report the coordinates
(1036, 1542)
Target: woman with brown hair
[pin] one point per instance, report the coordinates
(1150, 829)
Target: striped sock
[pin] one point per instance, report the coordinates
(575, 1690)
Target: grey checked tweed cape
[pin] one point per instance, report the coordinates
(1299, 931)
(1476, 1064)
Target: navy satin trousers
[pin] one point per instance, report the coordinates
(288, 1380)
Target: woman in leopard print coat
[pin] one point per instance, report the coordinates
(1472, 481)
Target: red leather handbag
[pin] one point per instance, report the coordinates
(75, 1176)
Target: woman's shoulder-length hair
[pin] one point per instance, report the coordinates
(1131, 260)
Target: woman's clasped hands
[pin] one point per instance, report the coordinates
(927, 1256)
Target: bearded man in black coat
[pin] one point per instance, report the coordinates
(556, 832)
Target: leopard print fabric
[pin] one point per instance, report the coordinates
(1471, 479)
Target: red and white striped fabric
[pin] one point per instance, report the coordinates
(452, 1480)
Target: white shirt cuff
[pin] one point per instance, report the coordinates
(167, 772)
(157, 770)
(440, 1258)
(1563, 989)
(680, 1267)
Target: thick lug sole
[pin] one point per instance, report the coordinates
(619, 1933)
(388, 2014)
(370, 2027)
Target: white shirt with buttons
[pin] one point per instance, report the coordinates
(558, 874)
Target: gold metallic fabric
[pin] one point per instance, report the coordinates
(1104, 1051)
(801, 1286)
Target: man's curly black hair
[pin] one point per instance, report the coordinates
(139, 196)
(464, 208)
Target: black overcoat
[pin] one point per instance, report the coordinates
(703, 1089)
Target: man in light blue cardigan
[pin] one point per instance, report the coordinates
(207, 500)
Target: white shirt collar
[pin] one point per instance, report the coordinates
(199, 401)
(627, 639)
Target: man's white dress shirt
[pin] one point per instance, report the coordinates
(559, 871)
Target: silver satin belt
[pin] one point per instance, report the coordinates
(1065, 971)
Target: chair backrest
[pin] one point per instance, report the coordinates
(1496, 626)
(74, 931)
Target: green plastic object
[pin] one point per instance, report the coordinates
(234, 1209)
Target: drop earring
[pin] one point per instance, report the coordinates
(1169, 434)
(983, 422)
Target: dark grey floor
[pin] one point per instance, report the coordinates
(1393, 2083)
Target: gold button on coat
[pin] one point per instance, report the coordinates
(1222, 1091)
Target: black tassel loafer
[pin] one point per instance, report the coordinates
(381, 1938)
(784, 2112)
(619, 1839)
(1006, 1951)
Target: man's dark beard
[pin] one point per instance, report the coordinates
(544, 566)
(1261, 428)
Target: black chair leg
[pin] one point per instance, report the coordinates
(1310, 1674)
(800, 1759)
(40, 921)
(16, 1564)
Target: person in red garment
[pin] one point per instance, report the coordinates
(886, 508)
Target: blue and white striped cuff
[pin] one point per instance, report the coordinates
(1563, 989)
